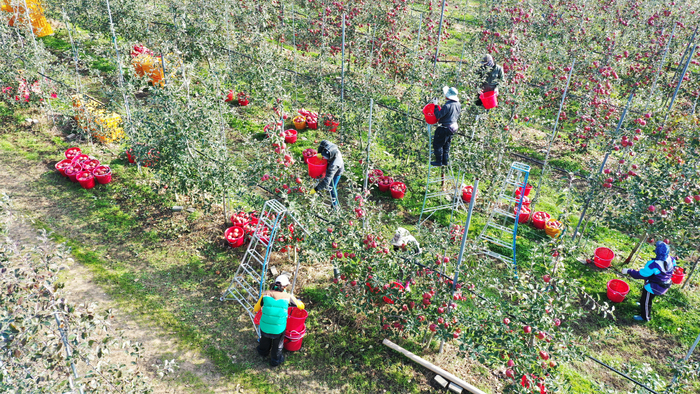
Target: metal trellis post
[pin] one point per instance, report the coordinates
(119, 63)
(602, 166)
(554, 136)
(437, 48)
(369, 142)
(680, 81)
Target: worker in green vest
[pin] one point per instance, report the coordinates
(274, 304)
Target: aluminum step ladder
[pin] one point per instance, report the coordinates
(502, 227)
(249, 280)
(436, 196)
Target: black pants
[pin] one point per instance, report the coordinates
(441, 145)
(645, 304)
(272, 345)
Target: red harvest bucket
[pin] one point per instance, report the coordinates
(387, 181)
(71, 171)
(400, 193)
(290, 136)
(86, 179)
(678, 276)
(231, 239)
(524, 215)
(467, 193)
(61, 166)
(70, 153)
(79, 159)
(101, 176)
(317, 167)
(526, 202)
(527, 190)
(539, 219)
(294, 339)
(488, 99)
(603, 257)
(429, 113)
(296, 319)
(617, 290)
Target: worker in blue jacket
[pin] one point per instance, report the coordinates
(275, 304)
(447, 117)
(657, 278)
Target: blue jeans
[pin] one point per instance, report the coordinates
(334, 185)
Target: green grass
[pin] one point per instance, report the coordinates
(55, 43)
(102, 64)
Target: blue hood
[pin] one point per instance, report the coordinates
(662, 250)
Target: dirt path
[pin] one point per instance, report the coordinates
(196, 374)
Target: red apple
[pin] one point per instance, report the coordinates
(527, 329)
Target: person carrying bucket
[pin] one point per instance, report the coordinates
(657, 278)
(275, 304)
(447, 117)
(336, 166)
(490, 75)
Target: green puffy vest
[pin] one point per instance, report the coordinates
(274, 315)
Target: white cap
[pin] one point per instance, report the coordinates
(450, 93)
(283, 280)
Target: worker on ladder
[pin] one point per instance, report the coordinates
(447, 117)
(275, 304)
(336, 166)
